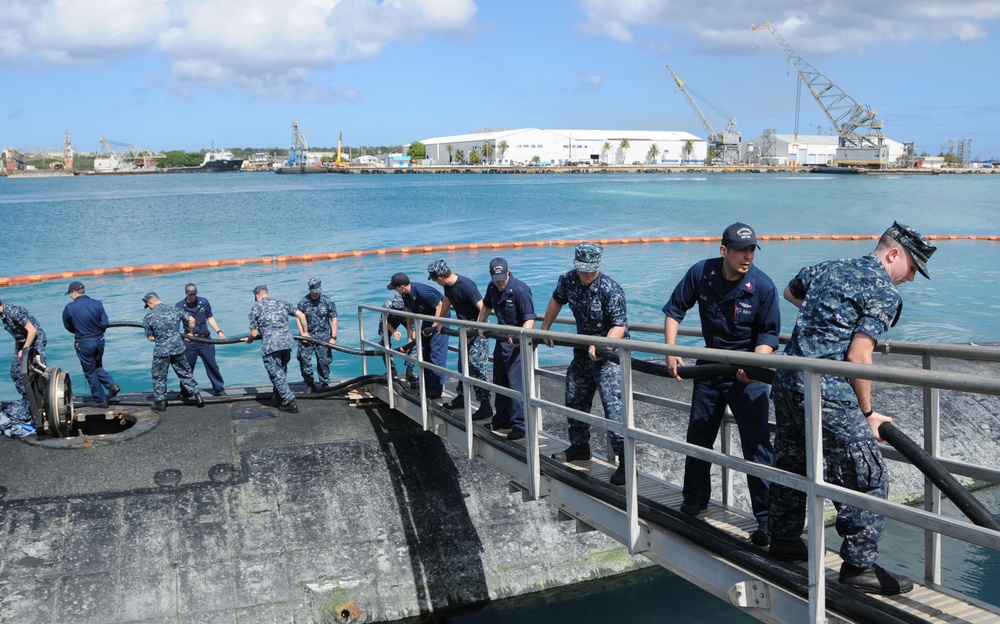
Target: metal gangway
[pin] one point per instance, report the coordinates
(712, 551)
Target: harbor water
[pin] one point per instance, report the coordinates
(66, 224)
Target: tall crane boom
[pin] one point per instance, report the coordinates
(859, 131)
(724, 146)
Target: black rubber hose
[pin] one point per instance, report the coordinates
(939, 476)
(849, 602)
(697, 371)
(243, 339)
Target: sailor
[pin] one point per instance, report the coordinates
(201, 310)
(86, 319)
(738, 307)
(27, 333)
(845, 307)
(598, 305)
(321, 321)
(421, 299)
(511, 298)
(269, 321)
(15, 419)
(395, 302)
(163, 327)
(462, 294)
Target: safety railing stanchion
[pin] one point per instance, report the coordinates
(814, 502)
(467, 389)
(727, 474)
(425, 419)
(631, 473)
(532, 412)
(387, 358)
(932, 495)
(361, 338)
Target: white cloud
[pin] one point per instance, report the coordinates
(821, 25)
(262, 47)
(593, 81)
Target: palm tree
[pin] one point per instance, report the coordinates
(449, 148)
(623, 146)
(502, 147)
(487, 150)
(474, 158)
(653, 152)
(459, 156)
(605, 149)
(688, 148)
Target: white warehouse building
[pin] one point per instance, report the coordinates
(555, 147)
(805, 150)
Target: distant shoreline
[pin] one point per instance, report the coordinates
(539, 170)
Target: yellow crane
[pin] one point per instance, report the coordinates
(340, 162)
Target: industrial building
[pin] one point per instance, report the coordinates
(525, 146)
(805, 150)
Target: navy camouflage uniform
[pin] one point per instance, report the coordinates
(513, 306)
(737, 318)
(395, 302)
(597, 308)
(841, 298)
(15, 419)
(319, 312)
(269, 317)
(164, 324)
(201, 310)
(15, 319)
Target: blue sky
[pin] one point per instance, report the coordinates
(189, 74)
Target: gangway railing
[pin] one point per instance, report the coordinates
(640, 535)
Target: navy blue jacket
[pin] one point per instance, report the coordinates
(735, 317)
(85, 317)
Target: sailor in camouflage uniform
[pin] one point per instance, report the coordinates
(269, 321)
(846, 306)
(462, 294)
(163, 327)
(598, 305)
(27, 332)
(395, 302)
(15, 419)
(321, 321)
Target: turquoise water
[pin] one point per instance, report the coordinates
(62, 224)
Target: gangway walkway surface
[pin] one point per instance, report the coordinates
(712, 551)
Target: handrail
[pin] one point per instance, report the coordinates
(816, 489)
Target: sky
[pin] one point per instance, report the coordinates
(191, 75)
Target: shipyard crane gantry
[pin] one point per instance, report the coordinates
(299, 154)
(724, 147)
(859, 130)
(126, 157)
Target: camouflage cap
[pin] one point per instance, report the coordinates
(259, 288)
(190, 289)
(917, 245)
(437, 268)
(315, 285)
(147, 297)
(588, 257)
